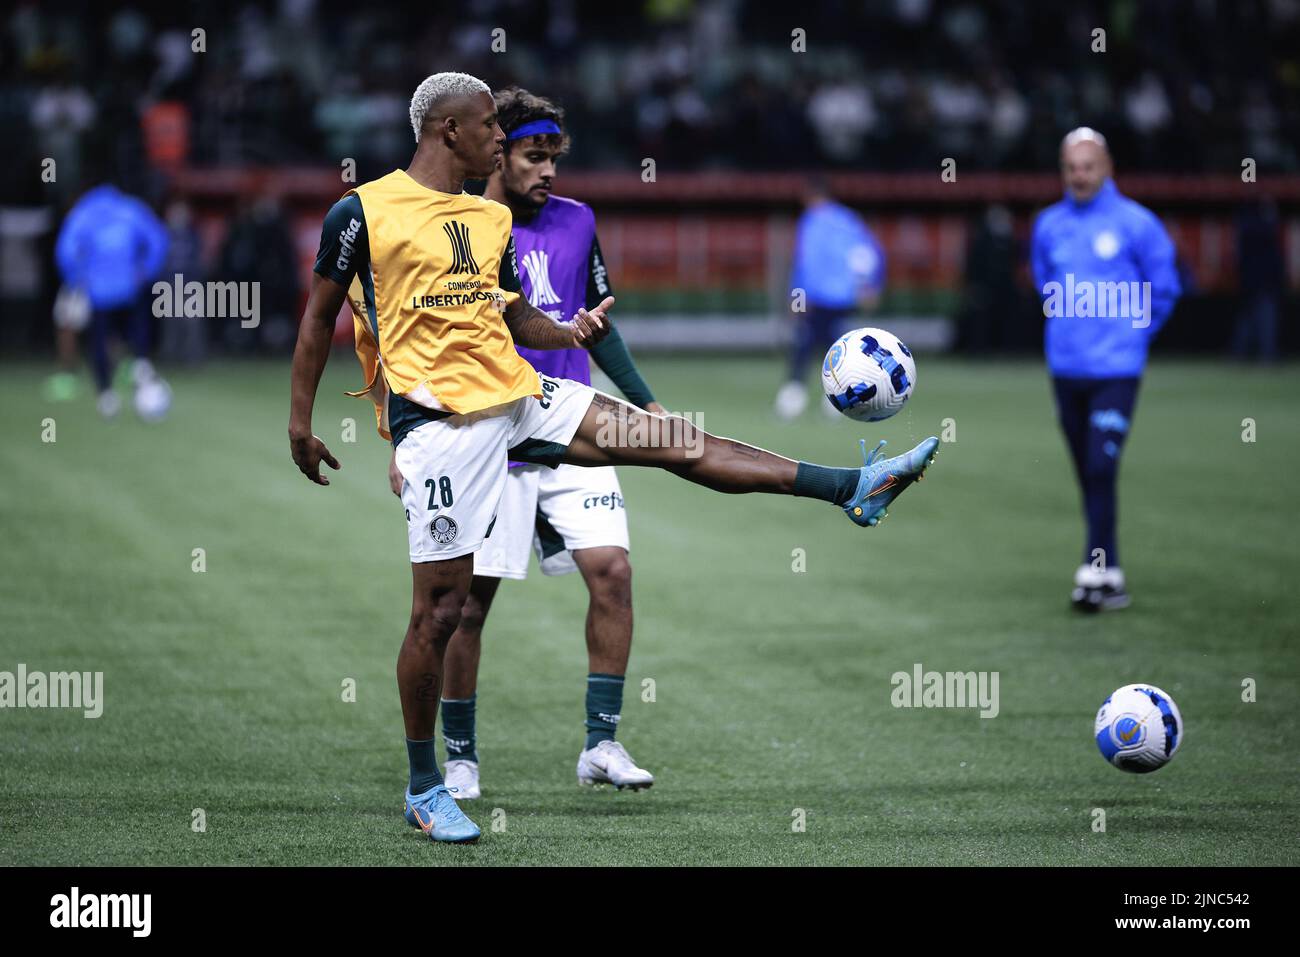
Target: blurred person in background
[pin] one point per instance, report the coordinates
(839, 267)
(1094, 236)
(1261, 277)
(183, 337)
(110, 249)
(71, 316)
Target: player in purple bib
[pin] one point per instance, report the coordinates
(561, 268)
(573, 518)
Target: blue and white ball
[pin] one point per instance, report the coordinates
(1139, 728)
(868, 374)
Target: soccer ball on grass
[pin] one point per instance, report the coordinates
(1139, 728)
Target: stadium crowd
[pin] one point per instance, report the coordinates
(135, 92)
(705, 84)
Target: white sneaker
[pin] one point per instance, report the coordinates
(461, 778)
(1099, 590)
(1086, 576)
(109, 403)
(609, 763)
(791, 400)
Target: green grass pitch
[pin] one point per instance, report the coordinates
(771, 686)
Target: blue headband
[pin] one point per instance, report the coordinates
(535, 128)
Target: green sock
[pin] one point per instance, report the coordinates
(458, 728)
(423, 756)
(826, 483)
(604, 706)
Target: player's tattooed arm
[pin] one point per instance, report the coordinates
(534, 329)
(309, 357)
(742, 450)
(531, 327)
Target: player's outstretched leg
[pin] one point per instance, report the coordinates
(615, 433)
(438, 591)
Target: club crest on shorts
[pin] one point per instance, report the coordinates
(444, 529)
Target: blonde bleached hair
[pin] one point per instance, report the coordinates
(437, 88)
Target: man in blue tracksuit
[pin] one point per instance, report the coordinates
(839, 265)
(1104, 267)
(111, 247)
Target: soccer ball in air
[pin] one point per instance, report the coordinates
(1139, 728)
(868, 374)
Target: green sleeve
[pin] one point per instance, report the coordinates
(509, 277)
(611, 352)
(344, 243)
(597, 275)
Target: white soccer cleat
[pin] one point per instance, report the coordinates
(461, 778)
(791, 400)
(609, 763)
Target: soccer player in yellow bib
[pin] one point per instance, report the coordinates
(440, 286)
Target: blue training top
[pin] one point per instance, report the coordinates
(112, 246)
(1078, 247)
(836, 257)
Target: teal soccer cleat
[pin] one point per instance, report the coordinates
(436, 813)
(883, 481)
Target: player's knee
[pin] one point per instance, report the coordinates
(611, 580)
(472, 618)
(434, 623)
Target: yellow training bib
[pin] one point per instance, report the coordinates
(435, 261)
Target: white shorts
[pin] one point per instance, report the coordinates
(454, 468)
(553, 512)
